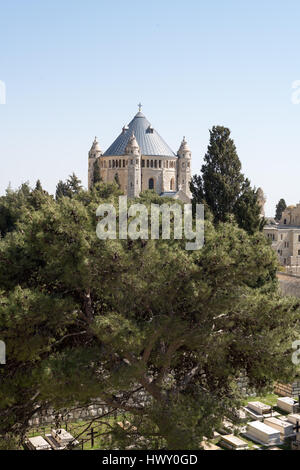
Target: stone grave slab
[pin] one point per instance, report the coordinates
(293, 418)
(263, 434)
(287, 404)
(259, 407)
(63, 438)
(38, 443)
(285, 428)
(209, 446)
(233, 442)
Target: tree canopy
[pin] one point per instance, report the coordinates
(280, 207)
(157, 333)
(221, 186)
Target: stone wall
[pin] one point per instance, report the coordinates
(287, 390)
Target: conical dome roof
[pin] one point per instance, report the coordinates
(149, 141)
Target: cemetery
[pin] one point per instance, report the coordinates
(58, 439)
(265, 423)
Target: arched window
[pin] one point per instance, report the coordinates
(151, 183)
(172, 184)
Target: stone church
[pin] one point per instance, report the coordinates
(140, 159)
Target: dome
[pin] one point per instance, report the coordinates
(184, 148)
(149, 141)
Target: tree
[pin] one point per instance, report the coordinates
(96, 173)
(157, 333)
(280, 207)
(221, 187)
(16, 203)
(74, 184)
(117, 180)
(69, 188)
(38, 186)
(62, 190)
(247, 210)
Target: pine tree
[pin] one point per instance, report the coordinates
(74, 184)
(62, 189)
(96, 173)
(119, 321)
(117, 181)
(222, 188)
(38, 186)
(69, 188)
(280, 207)
(247, 210)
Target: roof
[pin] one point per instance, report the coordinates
(150, 142)
(168, 194)
(282, 227)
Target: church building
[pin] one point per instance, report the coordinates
(140, 159)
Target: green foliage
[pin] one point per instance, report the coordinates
(222, 188)
(117, 180)
(16, 204)
(280, 207)
(86, 319)
(96, 173)
(69, 188)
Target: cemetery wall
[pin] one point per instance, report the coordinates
(287, 390)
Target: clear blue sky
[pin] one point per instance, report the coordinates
(76, 69)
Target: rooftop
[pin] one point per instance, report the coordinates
(150, 142)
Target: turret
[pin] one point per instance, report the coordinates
(132, 151)
(184, 167)
(261, 200)
(94, 153)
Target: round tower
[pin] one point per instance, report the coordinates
(94, 153)
(132, 151)
(184, 167)
(261, 200)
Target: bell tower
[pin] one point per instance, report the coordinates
(184, 167)
(133, 154)
(94, 153)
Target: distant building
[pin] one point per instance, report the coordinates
(140, 159)
(285, 236)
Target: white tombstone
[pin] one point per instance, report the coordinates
(263, 434)
(233, 442)
(259, 407)
(293, 418)
(62, 436)
(38, 443)
(287, 404)
(285, 428)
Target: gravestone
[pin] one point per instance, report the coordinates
(62, 436)
(37, 443)
(263, 434)
(285, 428)
(259, 407)
(233, 442)
(287, 404)
(293, 418)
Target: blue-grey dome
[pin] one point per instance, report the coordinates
(150, 142)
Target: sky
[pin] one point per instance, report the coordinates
(77, 69)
